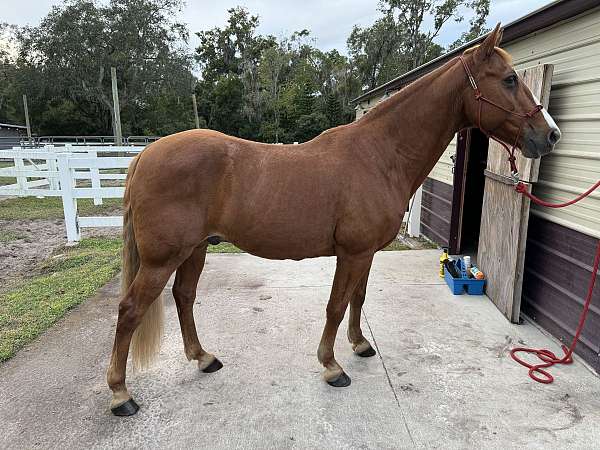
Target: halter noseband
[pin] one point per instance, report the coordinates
(480, 99)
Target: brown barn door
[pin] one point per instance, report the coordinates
(505, 213)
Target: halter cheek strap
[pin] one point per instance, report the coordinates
(480, 100)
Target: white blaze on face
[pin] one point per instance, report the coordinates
(547, 117)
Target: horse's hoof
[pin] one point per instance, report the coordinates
(129, 408)
(213, 366)
(367, 352)
(342, 380)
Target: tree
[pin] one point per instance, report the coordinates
(376, 51)
(399, 41)
(418, 43)
(65, 61)
(9, 109)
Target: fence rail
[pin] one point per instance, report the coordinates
(55, 172)
(40, 141)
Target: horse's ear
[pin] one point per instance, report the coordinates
(486, 49)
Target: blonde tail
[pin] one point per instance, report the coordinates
(145, 342)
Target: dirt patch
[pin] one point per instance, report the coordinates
(27, 243)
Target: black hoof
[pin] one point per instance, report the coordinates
(129, 408)
(214, 240)
(213, 366)
(367, 353)
(342, 381)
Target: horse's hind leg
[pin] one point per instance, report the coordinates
(145, 289)
(349, 272)
(360, 345)
(184, 292)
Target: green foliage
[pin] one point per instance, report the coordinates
(401, 40)
(64, 67)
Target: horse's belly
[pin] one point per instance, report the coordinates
(288, 234)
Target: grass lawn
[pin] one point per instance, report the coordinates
(68, 278)
(10, 235)
(223, 247)
(396, 246)
(24, 208)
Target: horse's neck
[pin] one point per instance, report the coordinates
(412, 129)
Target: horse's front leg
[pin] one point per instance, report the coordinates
(348, 274)
(360, 345)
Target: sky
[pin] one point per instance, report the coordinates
(330, 21)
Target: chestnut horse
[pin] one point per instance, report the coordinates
(341, 194)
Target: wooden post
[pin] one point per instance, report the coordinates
(68, 200)
(27, 123)
(195, 110)
(117, 116)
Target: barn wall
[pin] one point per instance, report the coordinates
(573, 47)
(436, 211)
(442, 171)
(558, 266)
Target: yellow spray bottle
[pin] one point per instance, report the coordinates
(443, 258)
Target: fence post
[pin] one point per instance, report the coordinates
(414, 221)
(19, 167)
(52, 167)
(95, 175)
(69, 202)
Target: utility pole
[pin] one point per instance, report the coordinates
(117, 117)
(195, 110)
(27, 123)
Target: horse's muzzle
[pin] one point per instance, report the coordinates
(539, 143)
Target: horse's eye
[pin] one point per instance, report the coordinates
(511, 81)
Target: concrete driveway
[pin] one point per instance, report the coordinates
(442, 377)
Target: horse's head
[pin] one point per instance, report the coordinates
(506, 108)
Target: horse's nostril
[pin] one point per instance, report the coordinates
(554, 136)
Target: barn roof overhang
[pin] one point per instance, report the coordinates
(539, 19)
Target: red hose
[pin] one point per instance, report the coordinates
(548, 358)
(522, 189)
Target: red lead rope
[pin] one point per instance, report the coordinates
(548, 358)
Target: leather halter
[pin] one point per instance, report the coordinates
(481, 99)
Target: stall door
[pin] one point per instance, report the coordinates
(505, 213)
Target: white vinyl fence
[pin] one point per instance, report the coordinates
(55, 171)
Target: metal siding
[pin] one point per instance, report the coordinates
(436, 211)
(558, 266)
(574, 48)
(442, 171)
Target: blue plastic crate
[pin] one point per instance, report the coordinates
(460, 285)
